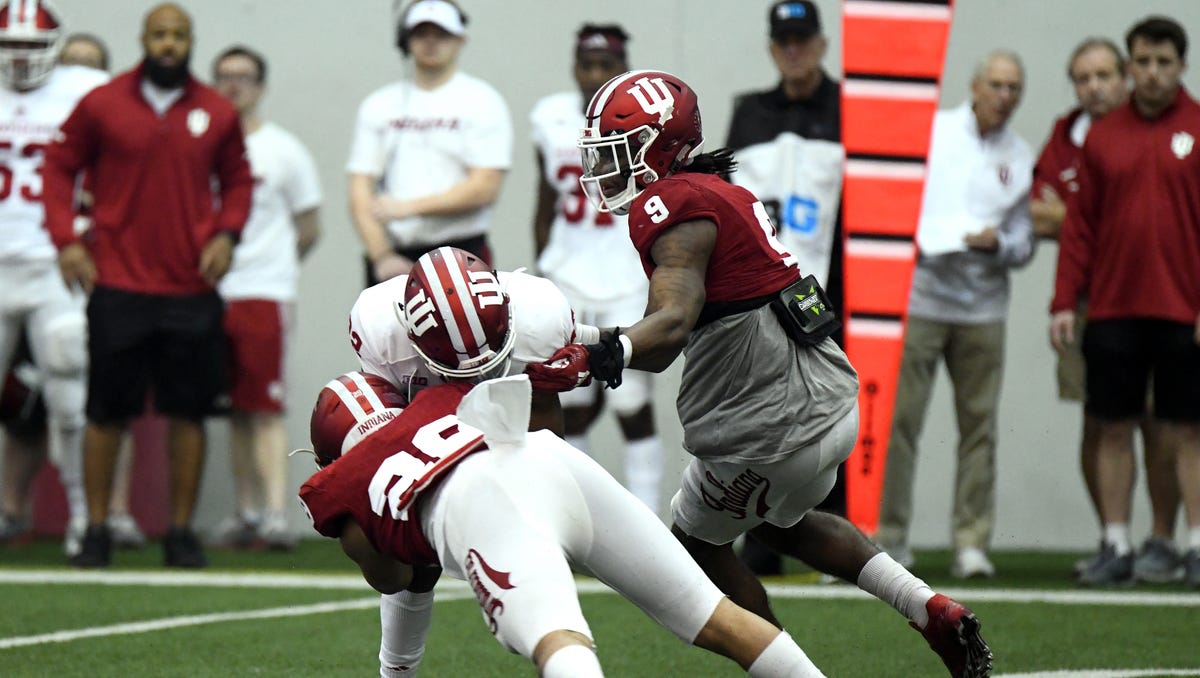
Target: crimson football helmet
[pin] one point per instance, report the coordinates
(640, 127)
(30, 38)
(349, 409)
(458, 316)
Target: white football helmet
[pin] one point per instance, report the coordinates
(31, 37)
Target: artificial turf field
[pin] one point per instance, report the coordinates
(306, 613)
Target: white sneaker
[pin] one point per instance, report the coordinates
(73, 537)
(234, 532)
(125, 531)
(276, 533)
(972, 562)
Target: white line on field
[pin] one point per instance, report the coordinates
(585, 585)
(1103, 673)
(200, 619)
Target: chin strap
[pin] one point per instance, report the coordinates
(606, 359)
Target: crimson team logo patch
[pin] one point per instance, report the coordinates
(1181, 144)
(484, 580)
(197, 121)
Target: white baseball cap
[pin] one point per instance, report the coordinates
(438, 12)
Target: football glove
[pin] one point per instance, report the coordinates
(565, 370)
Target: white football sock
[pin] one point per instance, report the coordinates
(572, 661)
(1117, 534)
(644, 469)
(405, 618)
(1194, 538)
(888, 581)
(783, 658)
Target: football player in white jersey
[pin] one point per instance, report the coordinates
(259, 293)
(35, 97)
(607, 291)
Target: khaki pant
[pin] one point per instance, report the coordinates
(974, 356)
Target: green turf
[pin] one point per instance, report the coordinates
(846, 638)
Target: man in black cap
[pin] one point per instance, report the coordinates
(788, 144)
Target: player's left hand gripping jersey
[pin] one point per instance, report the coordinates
(541, 318)
(377, 481)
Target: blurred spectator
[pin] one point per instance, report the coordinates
(608, 291)
(1129, 245)
(429, 153)
(259, 293)
(1097, 71)
(975, 226)
(36, 95)
(156, 144)
(789, 151)
(84, 49)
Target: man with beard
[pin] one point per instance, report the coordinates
(153, 141)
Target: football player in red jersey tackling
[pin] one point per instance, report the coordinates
(768, 402)
(453, 478)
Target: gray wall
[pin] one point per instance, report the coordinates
(326, 56)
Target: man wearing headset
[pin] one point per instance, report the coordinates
(429, 151)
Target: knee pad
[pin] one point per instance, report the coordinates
(64, 345)
(66, 398)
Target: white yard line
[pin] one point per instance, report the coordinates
(585, 585)
(455, 590)
(1103, 673)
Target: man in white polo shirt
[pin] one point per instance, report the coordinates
(259, 292)
(430, 152)
(975, 226)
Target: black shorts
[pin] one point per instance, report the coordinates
(477, 246)
(1122, 355)
(173, 343)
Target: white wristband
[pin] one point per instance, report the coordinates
(628, 346)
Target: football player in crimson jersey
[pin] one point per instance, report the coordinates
(379, 336)
(453, 478)
(768, 406)
(35, 98)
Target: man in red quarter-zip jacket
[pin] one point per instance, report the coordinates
(152, 140)
(1130, 242)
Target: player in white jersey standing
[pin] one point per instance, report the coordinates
(607, 290)
(35, 97)
(259, 293)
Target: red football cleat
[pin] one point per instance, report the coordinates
(953, 633)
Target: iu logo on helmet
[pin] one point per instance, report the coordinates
(421, 314)
(654, 97)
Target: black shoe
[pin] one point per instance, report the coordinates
(1110, 569)
(181, 548)
(96, 548)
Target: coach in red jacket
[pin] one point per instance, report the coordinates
(153, 140)
(1131, 242)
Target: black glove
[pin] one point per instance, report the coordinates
(607, 358)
